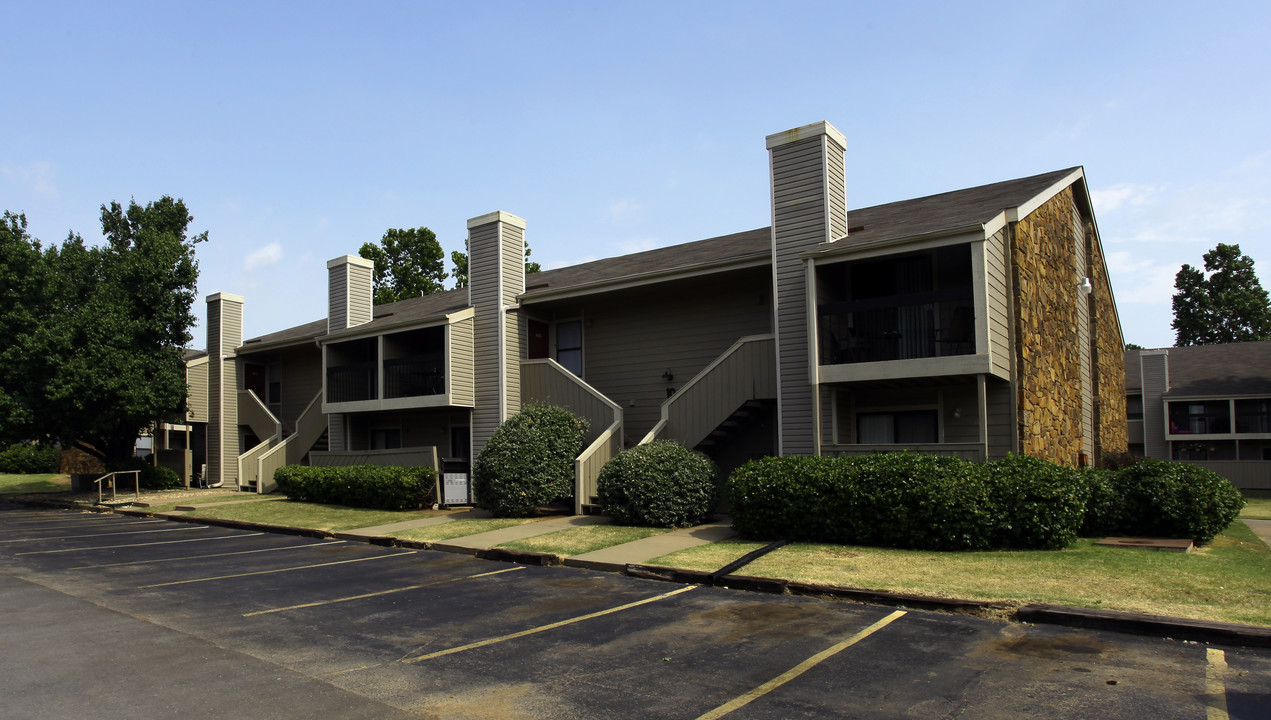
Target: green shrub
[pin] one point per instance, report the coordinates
(1105, 503)
(27, 459)
(160, 478)
(659, 484)
(1176, 500)
(1038, 504)
(528, 461)
(367, 486)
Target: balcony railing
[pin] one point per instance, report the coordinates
(351, 383)
(414, 377)
(874, 331)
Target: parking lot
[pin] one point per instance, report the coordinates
(116, 616)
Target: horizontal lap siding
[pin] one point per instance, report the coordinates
(513, 247)
(542, 383)
(196, 403)
(1001, 430)
(804, 173)
(337, 295)
(459, 366)
(995, 272)
(631, 339)
(483, 248)
(361, 300)
(231, 330)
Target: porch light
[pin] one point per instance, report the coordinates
(1085, 287)
(668, 376)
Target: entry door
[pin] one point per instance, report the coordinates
(539, 343)
(254, 379)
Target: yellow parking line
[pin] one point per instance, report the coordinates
(210, 555)
(130, 532)
(552, 626)
(270, 572)
(381, 592)
(1215, 688)
(799, 669)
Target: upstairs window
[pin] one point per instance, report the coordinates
(569, 346)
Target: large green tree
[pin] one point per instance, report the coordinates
(1223, 304)
(408, 263)
(459, 260)
(104, 360)
(23, 307)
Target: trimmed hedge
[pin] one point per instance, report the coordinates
(659, 484)
(25, 459)
(366, 486)
(151, 478)
(528, 461)
(909, 500)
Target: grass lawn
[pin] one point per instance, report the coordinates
(38, 483)
(1258, 504)
(1228, 580)
(459, 528)
(281, 511)
(579, 540)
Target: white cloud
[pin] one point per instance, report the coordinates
(37, 177)
(265, 256)
(623, 211)
(1110, 199)
(640, 245)
(1141, 280)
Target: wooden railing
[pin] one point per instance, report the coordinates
(545, 381)
(309, 427)
(745, 371)
(253, 413)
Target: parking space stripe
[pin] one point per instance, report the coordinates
(382, 592)
(129, 545)
(94, 535)
(799, 669)
(210, 555)
(552, 626)
(1215, 686)
(270, 572)
(42, 525)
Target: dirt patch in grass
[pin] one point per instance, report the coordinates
(1228, 580)
(579, 540)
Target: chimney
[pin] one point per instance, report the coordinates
(350, 300)
(224, 336)
(809, 207)
(496, 277)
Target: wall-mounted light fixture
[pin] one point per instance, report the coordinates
(1085, 287)
(957, 413)
(668, 376)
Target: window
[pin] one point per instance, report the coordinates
(274, 389)
(569, 346)
(1253, 416)
(386, 438)
(1200, 417)
(1134, 407)
(910, 426)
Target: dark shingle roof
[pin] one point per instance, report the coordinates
(907, 218)
(1211, 370)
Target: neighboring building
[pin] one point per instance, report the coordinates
(1206, 404)
(973, 323)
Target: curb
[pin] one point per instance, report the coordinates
(1206, 631)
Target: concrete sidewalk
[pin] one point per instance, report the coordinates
(617, 557)
(1261, 528)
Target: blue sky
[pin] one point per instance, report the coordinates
(296, 132)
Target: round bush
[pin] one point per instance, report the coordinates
(528, 461)
(1176, 500)
(1039, 504)
(659, 484)
(159, 478)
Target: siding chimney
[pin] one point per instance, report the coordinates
(224, 336)
(809, 207)
(350, 300)
(496, 277)
(1154, 379)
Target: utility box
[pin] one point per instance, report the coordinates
(456, 482)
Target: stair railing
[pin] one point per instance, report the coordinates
(136, 489)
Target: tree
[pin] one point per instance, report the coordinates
(408, 263)
(104, 360)
(460, 262)
(1223, 304)
(22, 306)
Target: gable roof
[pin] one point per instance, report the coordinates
(1211, 370)
(966, 208)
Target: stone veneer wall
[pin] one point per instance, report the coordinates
(1046, 346)
(1112, 433)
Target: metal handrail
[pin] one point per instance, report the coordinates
(136, 491)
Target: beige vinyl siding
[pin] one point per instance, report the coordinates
(419, 428)
(484, 290)
(1155, 381)
(541, 383)
(801, 220)
(301, 382)
(337, 438)
(1084, 348)
(196, 401)
(361, 300)
(630, 338)
(459, 363)
(1001, 430)
(231, 330)
(337, 298)
(963, 400)
(999, 302)
(513, 269)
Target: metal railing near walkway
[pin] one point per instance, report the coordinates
(136, 488)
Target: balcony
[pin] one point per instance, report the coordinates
(352, 382)
(926, 325)
(414, 376)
